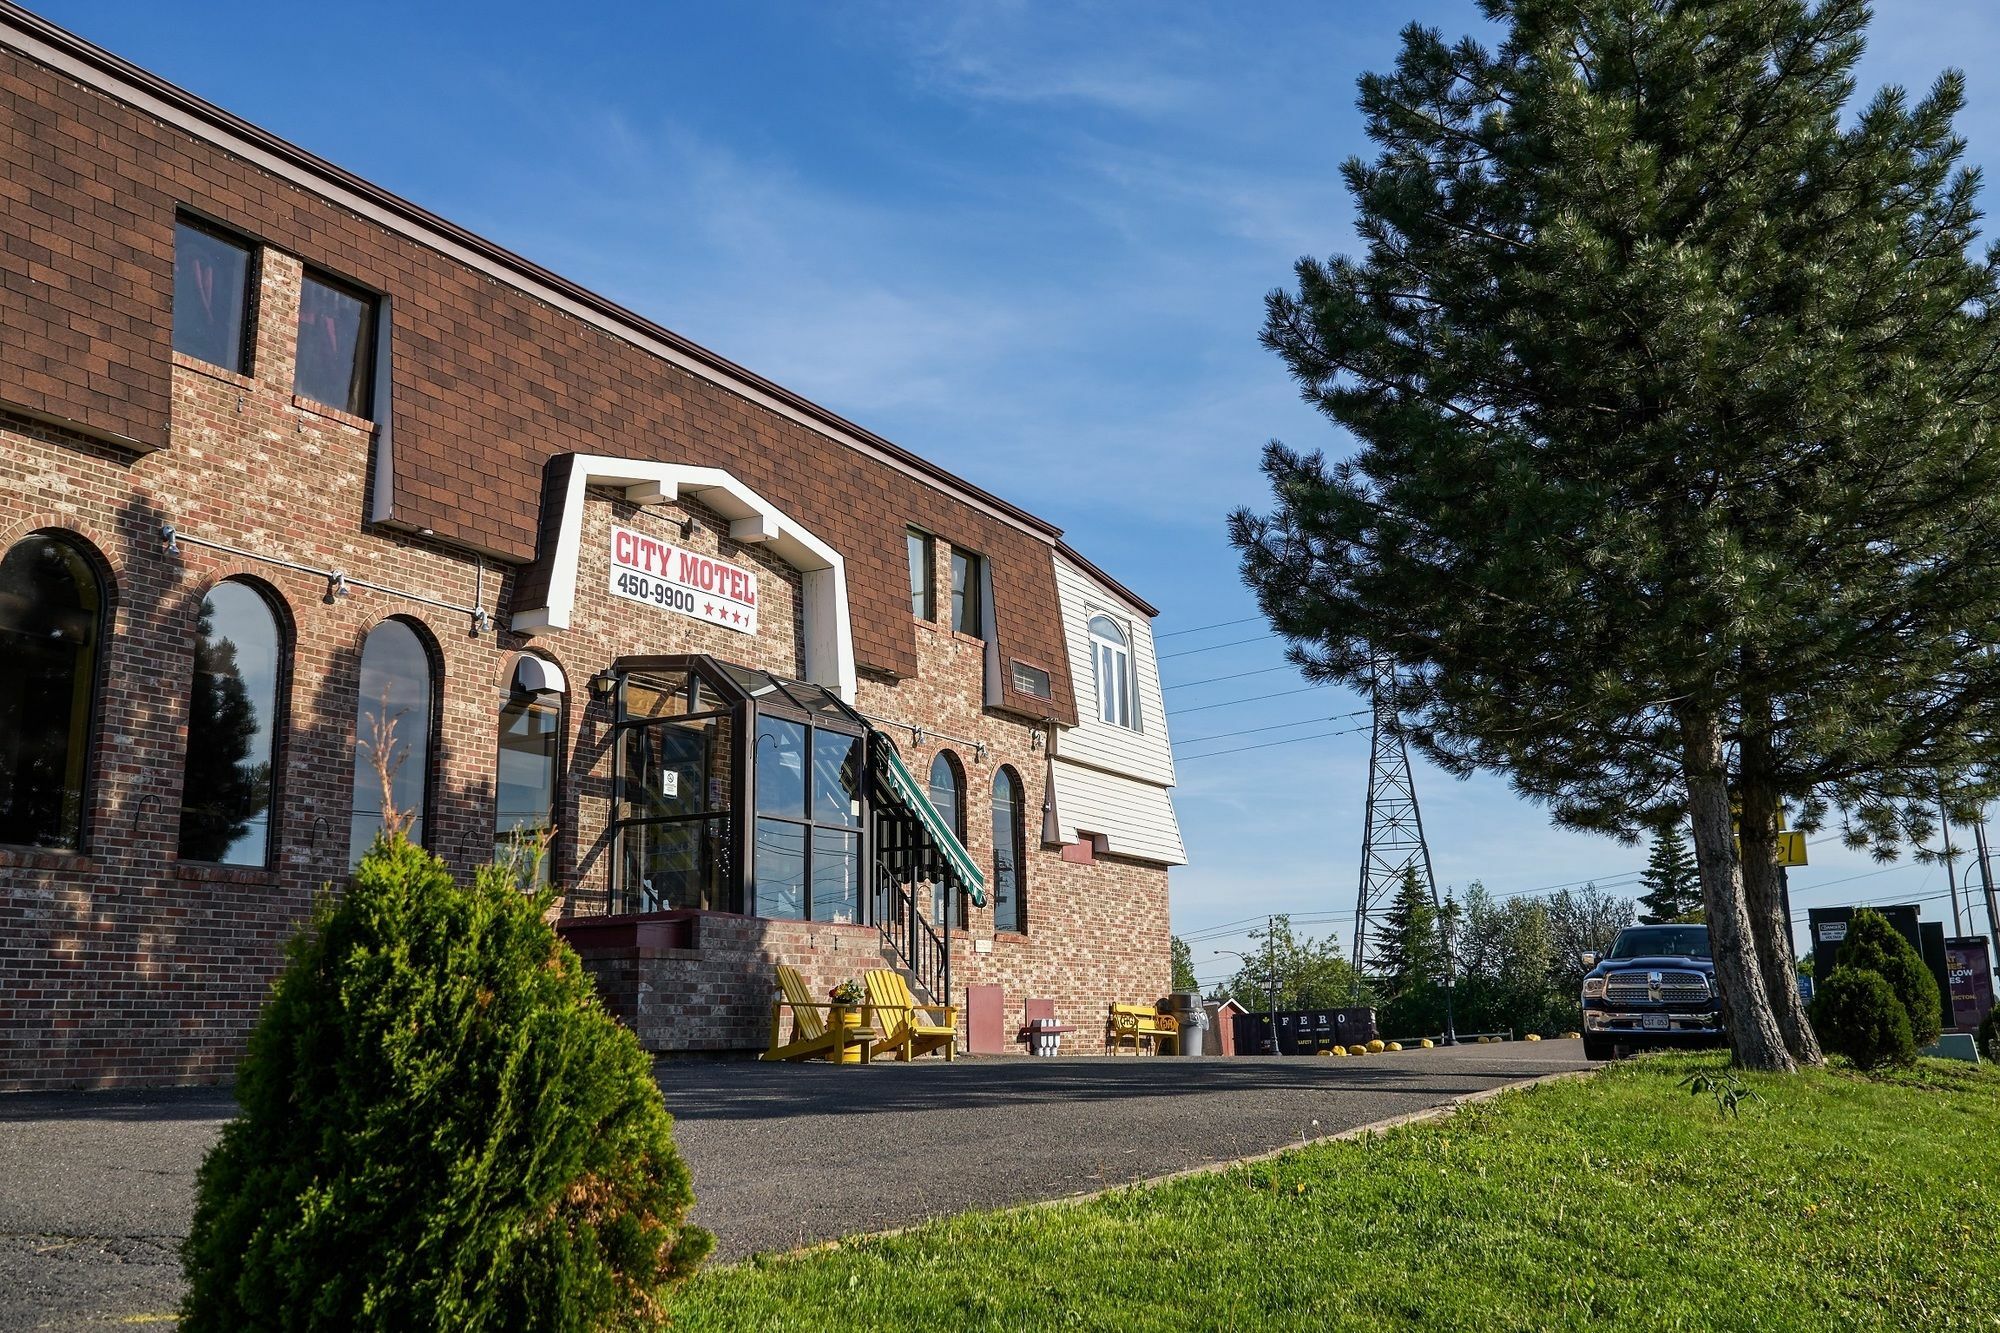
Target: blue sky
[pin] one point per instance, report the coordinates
(1029, 241)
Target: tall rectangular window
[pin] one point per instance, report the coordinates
(923, 578)
(967, 614)
(524, 806)
(336, 346)
(808, 832)
(211, 297)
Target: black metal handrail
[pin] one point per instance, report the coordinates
(910, 938)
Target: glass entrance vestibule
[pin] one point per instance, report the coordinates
(736, 790)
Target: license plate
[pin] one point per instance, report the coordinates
(1653, 1022)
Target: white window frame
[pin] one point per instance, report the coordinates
(1111, 669)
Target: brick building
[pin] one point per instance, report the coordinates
(284, 457)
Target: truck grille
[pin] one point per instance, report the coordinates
(1674, 988)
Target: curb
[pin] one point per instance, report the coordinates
(1428, 1115)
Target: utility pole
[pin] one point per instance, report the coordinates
(1392, 830)
(1950, 872)
(1986, 883)
(1446, 920)
(1271, 978)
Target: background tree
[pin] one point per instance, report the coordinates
(1183, 965)
(1585, 920)
(1676, 465)
(1409, 963)
(1671, 880)
(1311, 973)
(1505, 953)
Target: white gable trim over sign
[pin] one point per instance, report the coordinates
(753, 520)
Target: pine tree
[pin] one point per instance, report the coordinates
(1671, 879)
(440, 1128)
(1409, 950)
(1409, 961)
(1677, 472)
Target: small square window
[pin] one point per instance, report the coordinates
(1031, 680)
(336, 363)
(211, 297)
(967, 614)
(923, 575)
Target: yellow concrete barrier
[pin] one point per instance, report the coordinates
(1532, 1036)
(1394, 1046)
(1376, 1047)
(1357, 1050)
(1426, 1043)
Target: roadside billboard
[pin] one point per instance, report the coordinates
(1969, 968)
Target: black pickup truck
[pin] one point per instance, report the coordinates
(1655, 988)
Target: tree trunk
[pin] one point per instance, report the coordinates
(1764, 892)
(1754, 1036)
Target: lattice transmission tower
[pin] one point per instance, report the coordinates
(1392, 834)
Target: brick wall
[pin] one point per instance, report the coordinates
(120, 965)
(488, 381)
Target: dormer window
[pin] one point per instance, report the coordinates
(1111, 664)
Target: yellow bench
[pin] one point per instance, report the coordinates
(1132, 1022)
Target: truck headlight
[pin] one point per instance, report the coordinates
(1593, 988)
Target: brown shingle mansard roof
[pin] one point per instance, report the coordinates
(86, 59)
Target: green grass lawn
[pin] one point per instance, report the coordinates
(1617, 1201)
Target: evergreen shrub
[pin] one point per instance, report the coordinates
(1874, 945)
(1856, 1014)
(440, 1128)
(1988, 1039)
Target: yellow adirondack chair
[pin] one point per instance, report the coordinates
(909, 1029)
(812, 1037)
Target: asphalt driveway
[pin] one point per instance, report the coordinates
(96, 1188)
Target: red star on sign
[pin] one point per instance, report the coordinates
(708, 608)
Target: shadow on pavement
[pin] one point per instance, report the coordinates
(737, 1090)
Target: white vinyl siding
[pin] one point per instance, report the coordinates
(1141, 750)
(1136, 819)
(1114, 779)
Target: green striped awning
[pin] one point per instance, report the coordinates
(895, 776)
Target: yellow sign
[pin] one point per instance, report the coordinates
(1791, 849)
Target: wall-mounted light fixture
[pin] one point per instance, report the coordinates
(603, 685)
(169, 542)
(687, 527)
(481, 622)
(336, 585)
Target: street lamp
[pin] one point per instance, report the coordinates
(1271, 993)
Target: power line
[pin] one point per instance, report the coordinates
(1234, 675)
(1265, 745)
(1275, 726)
(1215, 647)
(1220, 624)
(1253, 699)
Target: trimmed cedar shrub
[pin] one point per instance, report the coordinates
(1988, 1039)
(1856, 1014)
(440, 1128)
(1874, 945)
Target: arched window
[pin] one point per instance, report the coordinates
(1010, 889)
(51, 634)
(947, 793)
(229, 788)
(524, 813)
(1111, 664)
(393, 715)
